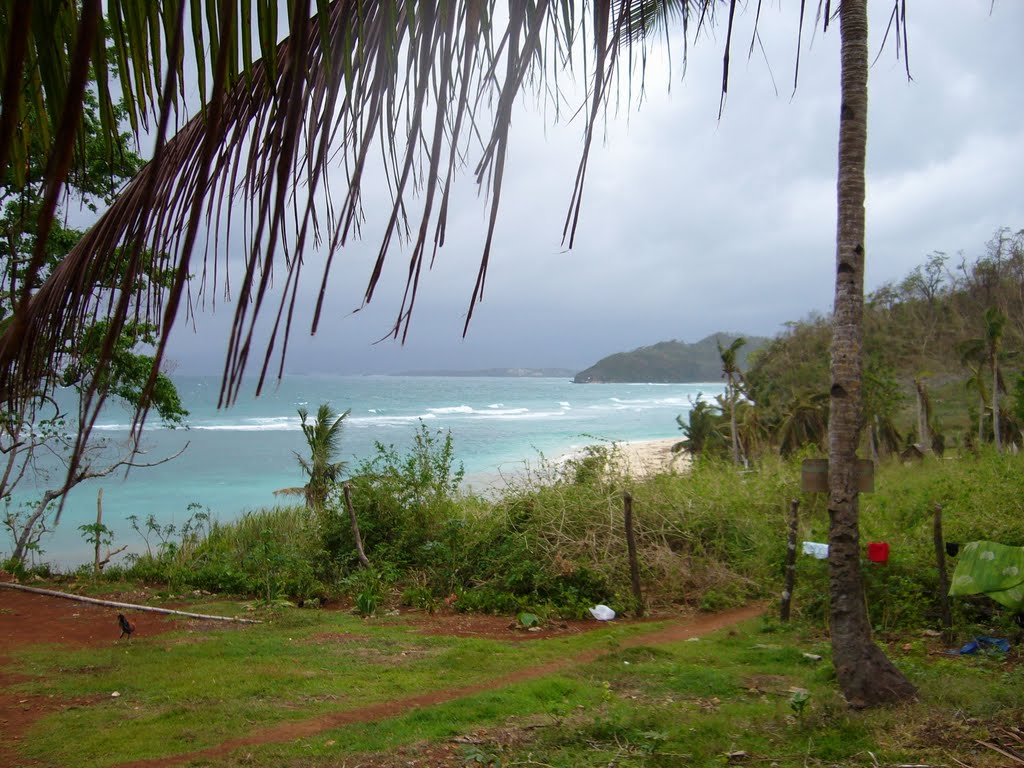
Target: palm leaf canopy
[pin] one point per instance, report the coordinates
(426, 87)
(323, 436)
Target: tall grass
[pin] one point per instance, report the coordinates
(269, 553)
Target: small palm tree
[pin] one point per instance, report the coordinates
(733, 379)
(323, 436)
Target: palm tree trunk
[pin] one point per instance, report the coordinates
(732, 424)
(865, 675)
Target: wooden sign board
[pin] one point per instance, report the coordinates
(814, 476)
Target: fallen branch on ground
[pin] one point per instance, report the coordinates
(129, 606)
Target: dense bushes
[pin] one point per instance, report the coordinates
(552, 542)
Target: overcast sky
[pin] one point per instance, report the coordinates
(692, 225)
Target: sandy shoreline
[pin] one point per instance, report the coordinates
(643, 458)
(636, 458)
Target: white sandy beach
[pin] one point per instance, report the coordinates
(643, 458)
(639, 458)
(636, 458)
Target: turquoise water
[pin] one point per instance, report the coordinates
(237, 458)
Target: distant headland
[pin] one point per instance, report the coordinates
(668, 362)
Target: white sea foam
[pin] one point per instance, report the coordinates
(500, 412)
(387, 421)
(275, 424)
(652, 402)
(521, 414)
(451, 409)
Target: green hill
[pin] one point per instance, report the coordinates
(668, 362)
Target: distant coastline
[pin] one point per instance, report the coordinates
(503, 373)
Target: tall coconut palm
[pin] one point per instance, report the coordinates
(323, 436)
(733, 377)
(864, 673)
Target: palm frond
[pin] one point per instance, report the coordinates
(342, 79)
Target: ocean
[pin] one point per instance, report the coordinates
(236, 458)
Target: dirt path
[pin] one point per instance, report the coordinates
(284, 732)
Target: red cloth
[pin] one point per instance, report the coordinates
(878, 551)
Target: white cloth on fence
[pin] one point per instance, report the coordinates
(816, 549)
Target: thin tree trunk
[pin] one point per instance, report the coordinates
(99, 523)
(790, 580)
(21, 546)
(865, 675)
(347, 490)
(981, 419)
(996, 437)
(634, 563)
(940, 563)
(924, 430)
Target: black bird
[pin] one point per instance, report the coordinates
(126, 626)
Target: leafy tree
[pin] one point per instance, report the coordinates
(787, 382)
(323, 436)
(34, 424)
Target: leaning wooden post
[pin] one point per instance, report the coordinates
(790, 578)
(634, 565)
(99, 527)
(940, 562)
(347, 490)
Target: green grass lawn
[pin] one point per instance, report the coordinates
(745, 695)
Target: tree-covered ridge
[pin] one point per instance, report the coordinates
(669, 362)
(941, 346)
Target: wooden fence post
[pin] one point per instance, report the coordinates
(940, 562)
(790, 578)
(634, 565)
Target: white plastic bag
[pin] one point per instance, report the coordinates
(602, 613)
